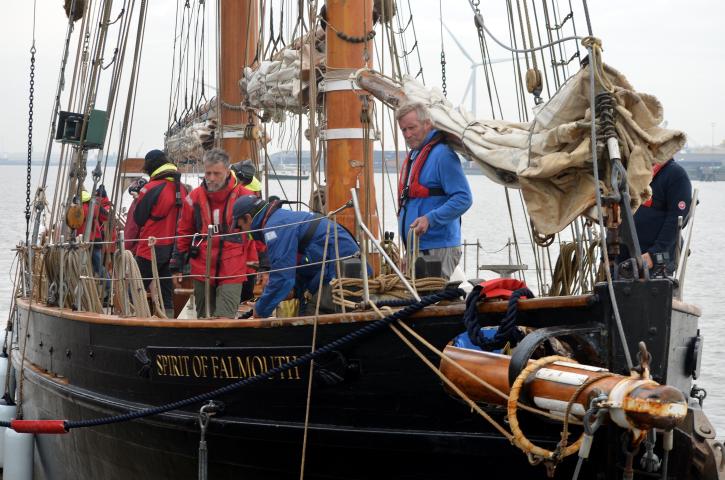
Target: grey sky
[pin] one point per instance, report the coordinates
(670, 49)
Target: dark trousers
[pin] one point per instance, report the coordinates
(163, 258)
(99, 271)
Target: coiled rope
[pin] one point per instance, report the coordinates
(508, 331)
(343, 289)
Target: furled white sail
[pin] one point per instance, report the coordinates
(549, 158)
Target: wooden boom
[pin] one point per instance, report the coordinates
(633, 402)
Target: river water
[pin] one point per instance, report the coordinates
(488, 221)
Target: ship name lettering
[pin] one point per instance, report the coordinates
(224, 366)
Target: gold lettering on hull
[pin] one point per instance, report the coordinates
(224, 367)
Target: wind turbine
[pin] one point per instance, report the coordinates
(472, 82)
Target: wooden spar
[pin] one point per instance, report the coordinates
(345, 156)
(644, 404)
(239, 36)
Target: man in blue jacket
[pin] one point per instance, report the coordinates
(656, 219)
(433, 191)
(291, 244)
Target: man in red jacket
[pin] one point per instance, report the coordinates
(212, 203)
(156, 214)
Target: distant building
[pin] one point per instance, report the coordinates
(703, 164)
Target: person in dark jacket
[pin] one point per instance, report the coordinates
(433, 192)
(156, 214)
(293, 246)
(656, 219)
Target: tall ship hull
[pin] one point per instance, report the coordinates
(591, 377)
(375, 408)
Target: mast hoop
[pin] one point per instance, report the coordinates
(348, 133)
(336, 86)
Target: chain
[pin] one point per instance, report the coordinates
(30, 143)
(443, 52)
(443, 73)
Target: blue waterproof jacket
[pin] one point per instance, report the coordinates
(282, 245)
(442, 170)
(657, 224)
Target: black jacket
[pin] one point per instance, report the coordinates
(657, 223)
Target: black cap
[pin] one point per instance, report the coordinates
(247, 204)
(244, 171)
(153, 160)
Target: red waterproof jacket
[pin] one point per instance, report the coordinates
(228, 253)
(157, 208)
(99, 217)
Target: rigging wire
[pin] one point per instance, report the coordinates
(529, 50)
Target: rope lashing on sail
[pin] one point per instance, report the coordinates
(54, 426)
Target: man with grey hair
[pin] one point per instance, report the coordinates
(433, 192)
(212, 203)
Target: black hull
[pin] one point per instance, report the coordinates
(376, 410)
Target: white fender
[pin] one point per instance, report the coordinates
(7, 413)
(18, 464)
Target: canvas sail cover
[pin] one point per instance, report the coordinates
(549, 158)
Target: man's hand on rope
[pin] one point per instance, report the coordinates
(177, 278)
(420, 225)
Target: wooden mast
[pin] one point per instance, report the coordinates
(238, 44)
(349, 161)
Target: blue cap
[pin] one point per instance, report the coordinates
(247, 204)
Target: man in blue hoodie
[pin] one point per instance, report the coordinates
(295, 242)
(433, 191)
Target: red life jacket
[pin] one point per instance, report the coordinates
(500, 287)
(229, 257)
(409, 185)
(655, 170)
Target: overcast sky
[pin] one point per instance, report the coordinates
(673, 50)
